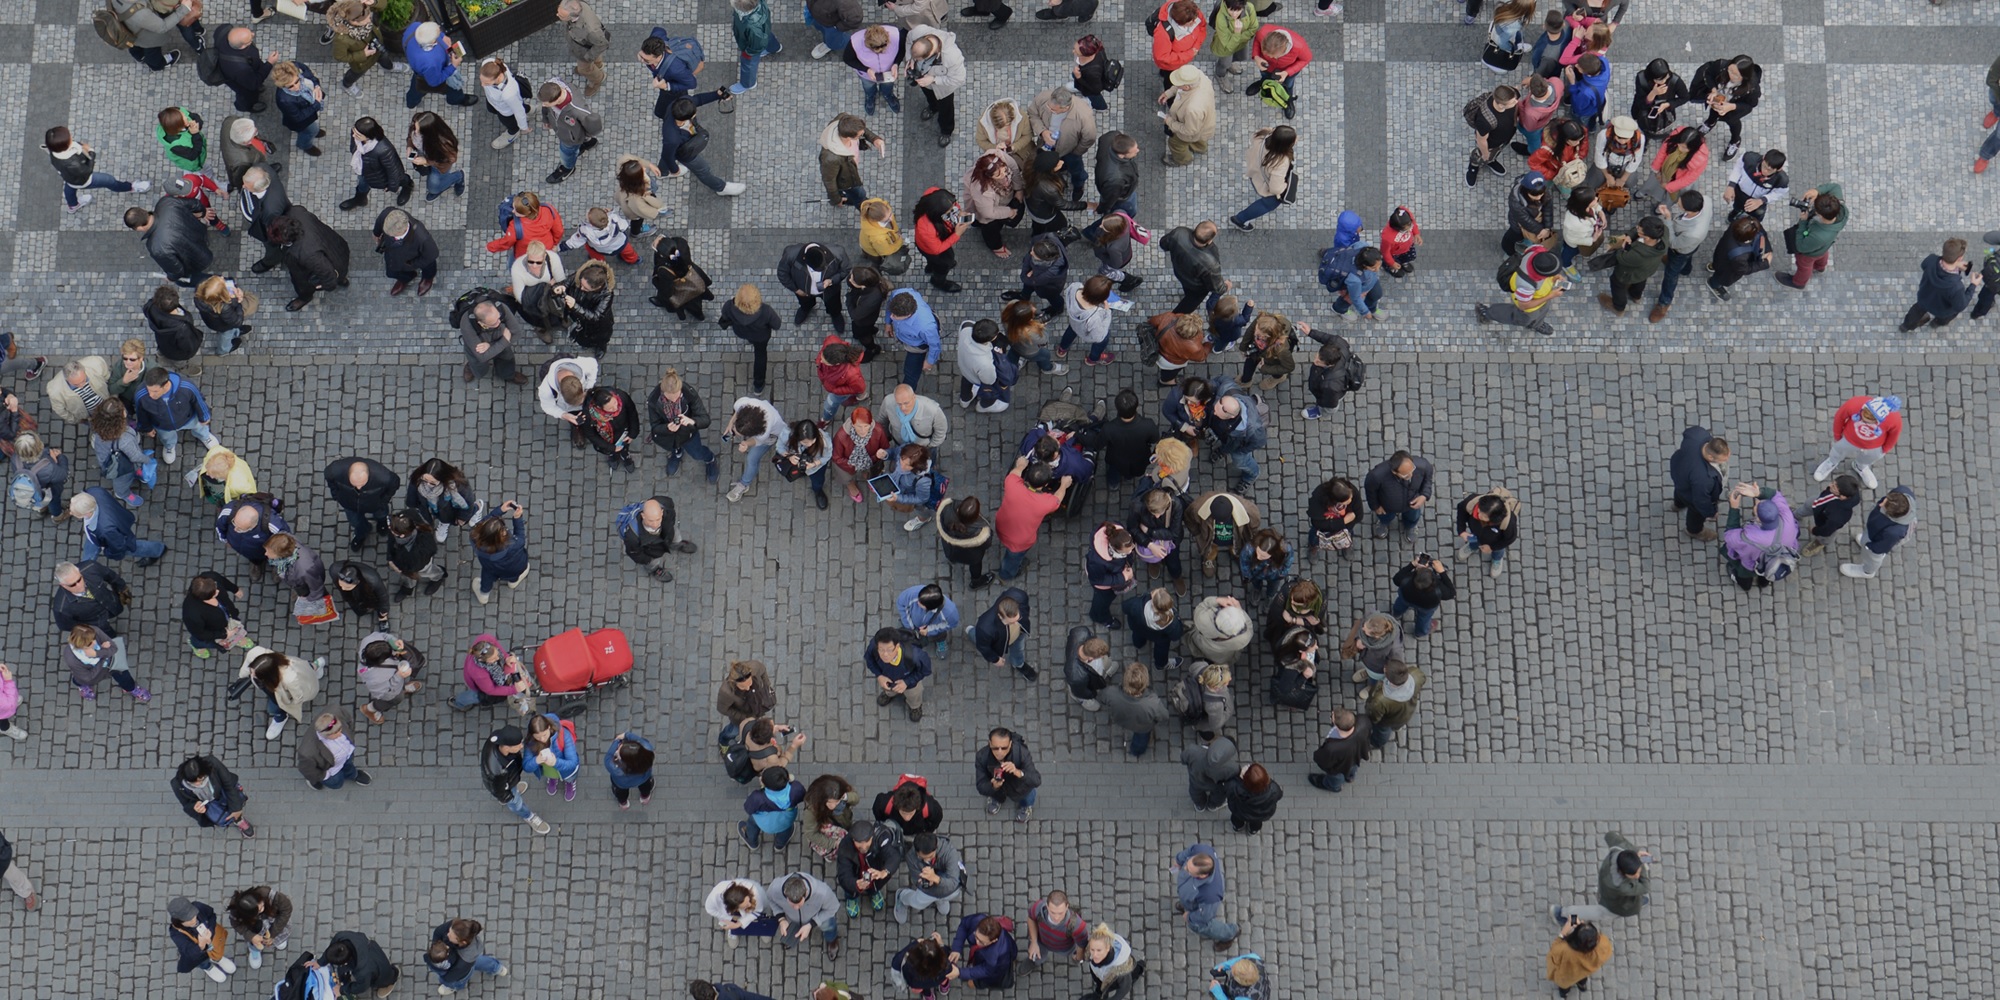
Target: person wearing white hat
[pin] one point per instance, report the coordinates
(1221, 630)
(1620, 149)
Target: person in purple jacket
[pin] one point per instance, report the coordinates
(1767, 550)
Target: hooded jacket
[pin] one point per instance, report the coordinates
(1201, 897)
(1884, 532)
(850, 862)
(250, 544)
(1017, 139)
(223, 787)
(947, 68)
(1941, 293)
(298, 687)
(1210, 766)
(1171, 52)
(1105, 568)
(174, 333)
(820, 906)
(1697, 482)
(1586, 95)
(1253, 807)
(913, 669)
(1210, 640)
(989, 966)
(1384, 710)
(1141, 714)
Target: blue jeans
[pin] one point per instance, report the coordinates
(99, 179)
(568, 154)
(752, 461)
(746, 66)
(364, 521)
(834, 38)
(834, 402)
(470, 698)
(913, 367)
(755, 834)
(1533, 137)
(342, 776)
(1141, 741)
(518, 807)
(1991, 146)
(1011, 563)
(484, 963)
(884, 89)
(1567, 254)
(1258, 209)
(1044, 359)
(698, 166)
(1017, 654)
(143, 549)
(729, 734)
(1497, 556)
(1245, 463)
(1215, 930)
(1073, 166)
(170, 437)
(1341, 304)
(488, 576)
(1380, 736)
(1027, 801)
(454, 85)
(1401, 607)
(1408, 517)
(696, 450)
(437, 182)
(271, 706)
(305, 140)
(1670, 276)
(1100, 604)
(1096, 349)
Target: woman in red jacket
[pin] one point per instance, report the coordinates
(1178, 34)
(1282, 54)
(838, 365)
(532, 221)
(1689, 156)
(858, 448)
(939, 225)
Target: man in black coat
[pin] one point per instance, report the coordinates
(796, 267)
(1117, 175)
(1197, 264)
(1001, 633)
(314, 255)
(174, 332)
(1398, 490)
(261, 199)
(91, 594)
(1948, 285)
(360, 965)
(364, 489)
(244, 70)
(1697, 470)
(211, 795)
(1003, 772)
(175, 237)
(1340, 755)
(407, 249)
(649, 531)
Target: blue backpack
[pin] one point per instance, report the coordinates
(628, 517)
(1336, 266)
(510, 223)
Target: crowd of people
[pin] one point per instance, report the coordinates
(1596, 193)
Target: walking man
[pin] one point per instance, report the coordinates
(1197, 264)
(1697, 468)
(1624, 884)
(500, 764)
(16, 879)
(1946, 288)
(1864, 429)
(1199, 885)
(1491, 116)
(588, 41)
(1341, 753)
(1888, 524)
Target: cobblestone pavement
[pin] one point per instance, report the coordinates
(1811, 766)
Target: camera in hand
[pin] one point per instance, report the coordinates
(1801, 204)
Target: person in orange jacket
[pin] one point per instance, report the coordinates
(1178, 34)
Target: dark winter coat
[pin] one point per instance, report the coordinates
(1116, 179)
(691, 408)
(210, 622)
(989, 633)
(1083, 682)
(1393, 495)
(1697, 484)
(1248, 807)
(318, 259)
(258, 212)
(985, 767)
(178, 240)
(382, 166)
(299, 111)
(222, 781)
(372, 498)
(642, 546)
(371, 969)
(1195, 267)
(174, 332)
(416, 252)
(1941, 293)
(624, 428)
(1342, 754)
(1438, 593)
(795, 276)
(191, 955)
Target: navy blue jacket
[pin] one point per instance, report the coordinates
(113, 534)
(989, 634)
(914, 669)
(1885, 534)
(508, 563)
(182, 405)
(1696, 483)
(299, 111)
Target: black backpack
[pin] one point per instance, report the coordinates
(208, 62)
(462, 306)
(738, 764)
(1509, 268)
(1114, 74)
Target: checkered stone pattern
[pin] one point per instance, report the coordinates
(784, 176)
(1218, 185)
(1932, 192)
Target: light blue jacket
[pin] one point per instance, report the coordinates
(920, 330)
(924, 621)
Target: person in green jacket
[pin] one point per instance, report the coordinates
(750, 21)
(1624, 884)
(1230, 36)
(179, 132)
(1812, 238)
(1634, 261)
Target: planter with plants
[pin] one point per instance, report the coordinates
(486, 26)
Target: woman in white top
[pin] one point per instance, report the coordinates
(507, 98)
(759, 427)
(735, 903)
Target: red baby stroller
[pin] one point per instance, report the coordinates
(572, 664)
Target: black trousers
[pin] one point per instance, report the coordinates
(1916, 317)
(1623, 295)
(946, 108)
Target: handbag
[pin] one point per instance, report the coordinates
(1290, 195)
(1335, 540)
(310, 612)
(250, 303)
(687, 288)
(1792, 238)
(895, 263)
(788, 466)
(293, 9)
(237, 687)
(236, 635)
(1498, 58)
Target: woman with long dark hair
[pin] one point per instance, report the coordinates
(1732, 89)
(443, 496)
(938, 229)
(433, 148)
(376, 165)
(993, 189)
(1269, 163)
(636, 200)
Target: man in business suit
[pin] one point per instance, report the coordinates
(262, 199)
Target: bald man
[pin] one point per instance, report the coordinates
(246, 72)
(364, 489)
(245, 524)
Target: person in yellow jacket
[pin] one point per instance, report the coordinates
(223, 476)
(1576, 955)
(880, 237)
(1534, 284)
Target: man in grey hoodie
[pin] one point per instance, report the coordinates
(1210, 766)
(800, 903)
(936, 876)
(1888, 524)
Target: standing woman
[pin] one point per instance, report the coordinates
(745, 694)
(807, 454)
(586, 305)
(552, 745)
(867, 293)
(1507, 40)
(857, 442)
(1583, 227)
(1087, 76)
(629, 761)
(1269, 162)
(1154, 623)
(680, 286)
(1681, 159)
(937, 227)
(357, 41)
(362, 591)
(375, 164)
(1264, 562)
(1576, 954)
(179, 133)
(1743, 250)
(965, 535)
(636, 200)
(829, 812)
(209, 614)
(1027, 336)
(1113, 250)
(752, 321)
(993, 185)
(1157, 526)
(500, 543)
(289, 685)
(937, 68)
(433, 150)
(443, 496)
(1047, 193)
(1732, 89)
(223, 307)
(388, 672)
(115, 443)
(678, 416)
(1253, 799)
(761, 428)
(1656, 92)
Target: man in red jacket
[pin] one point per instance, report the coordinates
(1864, 429)
(1282, 54)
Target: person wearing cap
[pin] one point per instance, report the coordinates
(1220, 630)
(1688, 216)
(1531, 214)
(433, 66)
(1189, 114)
(1774, 529)
(1619, 149)
(1864, 429)
(1534, 285)
(1946, 288)
(197, 939)
(501, 762)
(1491, 116)
(1887, 526)
(327, 752)
(1634, 261)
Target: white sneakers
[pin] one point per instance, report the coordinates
(84, 198)
(483, 596)
(319, 666)
(731, 190)
(1825, 469)
(256, 959)
(820, 51)
(914, 523)
(1867, 477)
(139, 187)
(271, 731)
(505, 139)
(442, 530)
(228, 966)
(539, 825)
(170, 454)
(516, 582)
(216, 974)
(737, 492)
(16, 731)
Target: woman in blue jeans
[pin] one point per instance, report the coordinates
(501, 545)
(456, 953)
(433, 149)
(1269, 162)
(761, 429)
